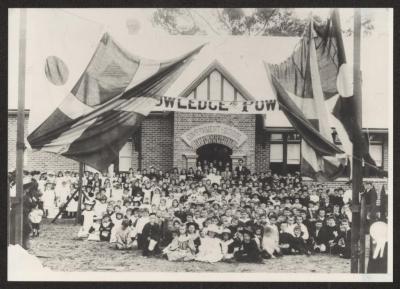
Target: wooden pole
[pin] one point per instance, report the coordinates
(363, 218)
(79, 211)
(19, 209)
(357, 157)
(64, 207)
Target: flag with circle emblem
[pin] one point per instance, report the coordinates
(107, 104)
(314, 88)
(302, 98)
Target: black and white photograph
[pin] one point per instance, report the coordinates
(200, 144)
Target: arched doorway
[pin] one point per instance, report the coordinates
(218, 154)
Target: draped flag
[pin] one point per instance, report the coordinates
(107, 104)
(344, 109)
(301, 92)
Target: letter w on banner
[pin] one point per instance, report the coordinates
(108, 103)
(301, 92)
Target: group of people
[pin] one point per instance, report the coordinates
(207, 214)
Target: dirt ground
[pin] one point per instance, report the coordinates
(58, 250)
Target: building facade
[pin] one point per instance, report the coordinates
(176, 139)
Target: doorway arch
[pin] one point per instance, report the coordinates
(219, 154)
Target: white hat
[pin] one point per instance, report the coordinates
(226, 230)
(212, 228)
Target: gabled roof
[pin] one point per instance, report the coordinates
(216, 65)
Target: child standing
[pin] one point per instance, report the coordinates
(35, 216)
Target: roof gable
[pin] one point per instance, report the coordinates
(225, 74)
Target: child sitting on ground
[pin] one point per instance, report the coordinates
(181, 248)
(117, 223)
(270, 243)
(88, 215)
(124, 236)
(210, 248)
(299, 245)
(248, 251)
(94, 231)
(343, 247)
(227, 244)
(105, 228)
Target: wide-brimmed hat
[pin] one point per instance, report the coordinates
(89, 202)
(213, 228)
(226, 231)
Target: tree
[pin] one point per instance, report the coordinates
(239, 21)
(176, 21)
(262, 21)
(233, 21)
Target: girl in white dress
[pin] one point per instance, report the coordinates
(210, 248)
(181, 248)
(49, 201)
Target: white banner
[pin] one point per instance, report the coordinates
(216, 106)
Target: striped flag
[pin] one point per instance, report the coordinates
(302, 98)
(344, 109)
(107, 104)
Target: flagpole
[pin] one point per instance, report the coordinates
(79, 210)
(357, 178)
(18, 216)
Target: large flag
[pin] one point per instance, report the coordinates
(344, 109)
(107, 104)
(301, 97)
(335, 80)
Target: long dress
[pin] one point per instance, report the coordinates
(87, 224)
(49, 203)
(210, 250)
(270, 241)
(180, 249)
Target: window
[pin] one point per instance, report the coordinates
(125, 157)
(276, 153)
(215, 85)
(276, 137)
(285, 152)
(376, 142)
(293, 154)
(376, 152)
(201, 90)
(229, 91)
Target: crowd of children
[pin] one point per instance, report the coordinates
(208, 214)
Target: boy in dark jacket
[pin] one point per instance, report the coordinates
(151, 235)
(319, 237)
(248, 251)
(105, 228)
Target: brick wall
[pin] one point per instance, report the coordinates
(185, 121)
(386, 153)
(40, 161)
(262, 147)
(157, 141)
(135, 150)
(343, 183)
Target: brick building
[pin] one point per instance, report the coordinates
(230, 70)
